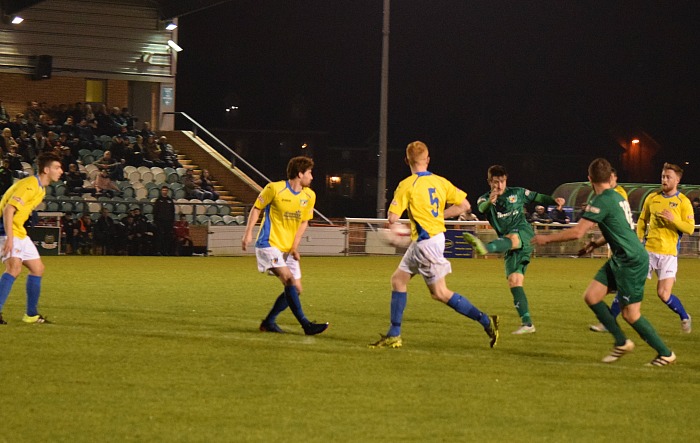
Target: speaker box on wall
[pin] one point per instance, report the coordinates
(42, 67)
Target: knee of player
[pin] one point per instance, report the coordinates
(14, 269)
(441, 294)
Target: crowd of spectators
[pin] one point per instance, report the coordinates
(133, 234)
(69, 129)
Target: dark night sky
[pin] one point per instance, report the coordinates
(479, 81)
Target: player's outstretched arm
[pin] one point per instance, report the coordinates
(252, 220)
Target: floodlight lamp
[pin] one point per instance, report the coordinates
(174, 45)
(16, 20)
(170, 26)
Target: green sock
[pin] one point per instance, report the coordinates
(502, 244)
(602, 312)
(520, 303)
(649, 335)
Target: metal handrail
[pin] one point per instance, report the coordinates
(196, 125)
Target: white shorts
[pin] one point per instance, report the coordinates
(22, 248)
(666, 266)
(427, 258)
(271, 257)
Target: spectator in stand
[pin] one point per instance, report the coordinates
(118, 120)
(558, 215)
(152, 153)
(540, 215)
(114, 168)
(182, 236)
(86, 136)
(104, 186)
(164, 219)
(69, 128)
(38, 143)
(118, 148)
(75, 180)
(696, 210)
(77, 112)
(146, 131)
(7, 141)
(134, 153)
(33, 111)
(192, 189)
(207, 185)
(6, 178)
(71, 143)
(130, 120)
(15, 164)
(26, 148)
(67, 157)
(83, 235)
(105, 124)
(88, 112)
(167, 153)
(103, 233)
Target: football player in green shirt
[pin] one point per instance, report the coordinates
(625, 271)
(503, 207)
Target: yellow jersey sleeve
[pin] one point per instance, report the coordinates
(25, 196)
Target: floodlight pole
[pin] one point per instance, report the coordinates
(383, 106)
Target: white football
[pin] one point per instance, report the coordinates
(398, 235)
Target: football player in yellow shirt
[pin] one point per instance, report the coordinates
(424, 196)
(666, 216)
(17, 248)
(287, 206)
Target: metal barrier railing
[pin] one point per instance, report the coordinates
(221, 147)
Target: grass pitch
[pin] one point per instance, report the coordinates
(167, 349)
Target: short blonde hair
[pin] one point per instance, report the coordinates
(416, 152)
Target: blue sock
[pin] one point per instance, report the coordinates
(615, 307)
(464, 307)
(398, 304)
(33, 292)
(292, 296)
(279, 306)
(676, 306)
(6, 282)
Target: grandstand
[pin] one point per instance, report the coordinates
(142, 186)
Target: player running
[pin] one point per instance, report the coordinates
(287, 207)
(17, 248)
(504, 209)
(424, 196)
(625, 271)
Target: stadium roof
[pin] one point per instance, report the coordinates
(166, 8)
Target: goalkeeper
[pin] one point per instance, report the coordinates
(504, 208)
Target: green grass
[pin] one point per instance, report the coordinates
(167, 349)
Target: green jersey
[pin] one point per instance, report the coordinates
(508, 214)
(614, 218)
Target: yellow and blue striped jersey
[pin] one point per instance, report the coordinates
(424, 195)
(662, 236)
(283, 212)
(25, 196)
